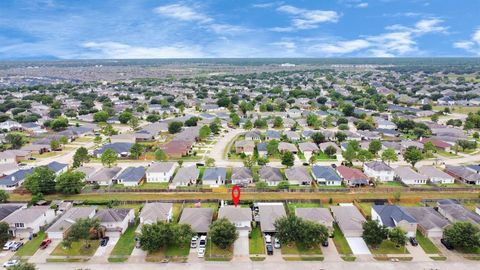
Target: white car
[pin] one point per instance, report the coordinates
(193, 243)
(203, 241)
(277, 244)
(8, 245)
(201, 252)
(11, 263)
(268, 238)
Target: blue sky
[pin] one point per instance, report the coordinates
(55, 29)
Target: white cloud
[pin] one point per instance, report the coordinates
(429, 26)
(116, 50)
(362, 5)
(305, 18)
(472, 45)
(341, 47)
(181, 12)
(288, 45)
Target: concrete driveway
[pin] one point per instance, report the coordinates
(138, 255)
(102, 253)
(418, 253)
(330, 253)
(240, 247)
(358, 246)
(42, 254)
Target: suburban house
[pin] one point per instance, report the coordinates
(287, 147)
(454, 212)
(104, 176)
(27, 221)
(57, 167)
(308, 149)
(123, 138)
(244, 147)
(161, 172)
(185, 176)
(379, 171)
(384, 124)
(115, 220)
(316, 214)
(177, 148)
(292, 135)
(463, 174)
(262, 149)
(154, 212)
(131, 176)
(14, 180)
(241, 176)
(214, 176)
(410, 177)
(60, 228)
(270, 175)
(239, 216)
(253, 135)
(349, 219)
(88, 171)
(269, 213)
(199, 218)
(394, 216)
(352, 177)
(7, 209)
(298, 176)
(430, 222)
(436, 175)
(272, 135)
(439, 144)
(121, 148)
(326, 175)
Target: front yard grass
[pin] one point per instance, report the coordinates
(388, 247)
(124, 246)
(299, 249)
(77, 249)
(31, 246)
(255, 242)
(340, 241)
(426, 244)
(171, 252)
(215, 253)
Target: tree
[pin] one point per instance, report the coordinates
(374, 233)
(55, 145)
(41, 180)
(80, 157)
(16, 140)
(210, 162)
(272, 147)
(348, 110)
(97, 139)
(278, 122)
(4, 234)
(133, 123)
(248, 162)
(23, 266)
(58, 124)
(153, 118)
(175, 127)
(223, 233)
(204, 132)
(292, 229)
(63, 140)
(4, 196)
(160, 155)
(248, 124)
(70, 182)
(398, 236)
(101, 116)
(124, 117)
(389, 155)
(136, 150)
(330, 150)
(214, 127)
(463, 236)
(340, 136)
(161, 234)
(312, 120)
(374, 146)
(318, 137)
(312, 160)
(288, 159)
(312, 233)
(83, 229)
(412, 155)
(287, 228)
(364, 155)
(109, 157)
(235, 119)
(434, 118)
(349, 154)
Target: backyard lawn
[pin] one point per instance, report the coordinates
(292, 206)
(388, 247)
(124, 246)
(426, 244)
(77, 249)
(340, 242)
(31, 246)
(366, 208)
(255, 243)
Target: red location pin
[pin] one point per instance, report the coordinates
(235, 195)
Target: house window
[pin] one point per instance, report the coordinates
(19, 225)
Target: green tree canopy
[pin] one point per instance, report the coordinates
(109, 157)
(70, 182)
(41, 180)
(463, 236)
(223, 233)
(374, 233)
(80, 157)
(412, 155)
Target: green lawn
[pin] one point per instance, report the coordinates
(77, 249)
(298, 249)
(366, 208)
(426, 244)
(212, 252)
(255, 243)
(154, 186)
(31, 246)
(323, 157)
(388, 247)
(340, 242)
(125, 245)
(172, 251)
(389, 184)
(292, 206)
(447, 154)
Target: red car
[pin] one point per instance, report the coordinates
(45, 243)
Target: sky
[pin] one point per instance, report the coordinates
(137, 29)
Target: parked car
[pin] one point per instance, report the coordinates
(45, 243)
(104, 241)
(16, 246)
(203, 241)
(277, 243)
(446, 244)
(8, 245)
(201, 252)
(413, 241)
(269, 249)
(325, 243)
(193, 243)
(268, 239)
(11, 263)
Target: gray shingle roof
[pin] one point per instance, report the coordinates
(378, 166)
(427, 217)
(70, 217)
(153, 212)
(269, 212)
(215, 173)
(241, 173)
(270, 174)
(132, 174)
(186, 174)
(391, 214)
(315, 214)
(325, 172)
(199, 218)
(159, 167)
(112, 214)
(235, 214)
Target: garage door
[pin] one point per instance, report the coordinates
(358, 246)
